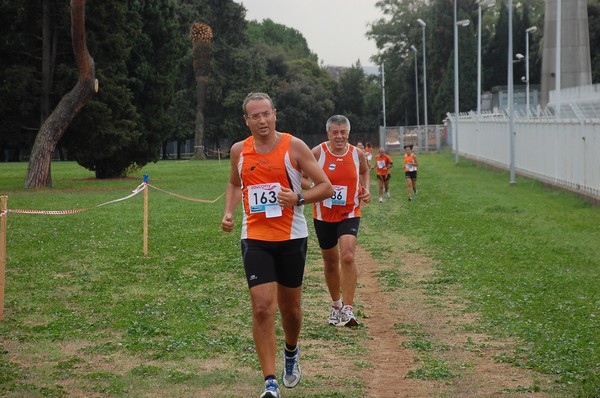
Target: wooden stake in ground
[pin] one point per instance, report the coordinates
(201, 35)
(3, 207)
(146, 216)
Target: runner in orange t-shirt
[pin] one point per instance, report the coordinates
(383, 163)
(337, 218)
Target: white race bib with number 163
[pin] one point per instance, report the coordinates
(262, 198)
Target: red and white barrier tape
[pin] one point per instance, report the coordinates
(137, 190)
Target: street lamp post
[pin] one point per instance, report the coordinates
(423, 25)
(511, 105)
(558, 57)
(464, 22)
(383, 94)
(527, 32)
(481, 3)
(383, 131)
(416, 85)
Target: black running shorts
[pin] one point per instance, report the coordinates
(328, 233)
(281, 262)
(411, 174)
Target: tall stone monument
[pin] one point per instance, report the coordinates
(575, 62)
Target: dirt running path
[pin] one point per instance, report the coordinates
(438, 319)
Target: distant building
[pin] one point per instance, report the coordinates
(497, 100)
(336, 72)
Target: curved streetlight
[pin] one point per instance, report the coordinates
(416, 85)
(464, 22)
(423, 25)
(527, 32)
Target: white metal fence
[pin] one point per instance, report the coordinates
(556, 145)
(563, 151)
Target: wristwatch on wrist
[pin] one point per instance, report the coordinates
(300, 200)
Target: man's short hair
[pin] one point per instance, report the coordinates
(339, 120)
(256, 97)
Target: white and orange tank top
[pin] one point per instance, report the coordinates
(262, 177)
(408, 160)
(343, 172)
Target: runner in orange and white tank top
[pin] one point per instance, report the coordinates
(337, 218)
(369, 155)
(266, 172)
(410, 170)
(384, 163)
(343, 171)
(263, 176)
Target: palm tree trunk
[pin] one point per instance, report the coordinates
(201, 35)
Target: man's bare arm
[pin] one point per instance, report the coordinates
(233, 192)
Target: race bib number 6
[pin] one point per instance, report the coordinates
(339, 197)
(262, 198)
(340, 194)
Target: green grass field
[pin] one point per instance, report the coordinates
(527, 258)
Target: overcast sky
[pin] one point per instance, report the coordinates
(334, 29)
